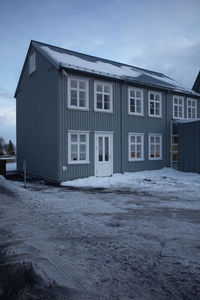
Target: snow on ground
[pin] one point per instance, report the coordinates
(165, 180)
(11, 166)
(137, 238)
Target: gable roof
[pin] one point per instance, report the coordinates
(67, 59)
(196, 86)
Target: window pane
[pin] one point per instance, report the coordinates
(82, 94)
(133, 139)
(82, 97)
(83, 148)
(82, 85)
(106, 88)
(132, 151)
(74, 148)
(82, 138)
(152, 139)
(157, 139)
(152, 96)
(82, 156)
(132, 93)
(106, 149)
(99, 101)
(139, 154)
(132, 105)
(152, 151)
(151, 108)
(99, 88)
(139, 148)
(106, 102)
(175, 139)
(175, 100)
(139, 108)
(157, 97)
(100, 148)
(73, 97)
(73, 137)
(73, 83)
(157, 108)
(139, 139)
(138, 94)
(157, 150)
(74, 156)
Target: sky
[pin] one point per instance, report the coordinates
(162, 36)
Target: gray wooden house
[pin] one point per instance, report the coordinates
(80, 115)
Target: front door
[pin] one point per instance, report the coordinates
(103, 154)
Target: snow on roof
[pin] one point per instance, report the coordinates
(78, 61)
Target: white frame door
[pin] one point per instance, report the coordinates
(103, 154)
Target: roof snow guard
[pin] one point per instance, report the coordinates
(63, 58)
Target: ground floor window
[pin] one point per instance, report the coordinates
(155, 147)
(136, 146)
(78, 147)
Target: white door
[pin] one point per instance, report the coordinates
(103, 154)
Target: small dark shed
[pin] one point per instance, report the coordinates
(189, 146)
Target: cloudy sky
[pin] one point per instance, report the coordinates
(159, 35)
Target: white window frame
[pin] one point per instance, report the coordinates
(178, 105)
(155, 101)
(103, 93)
(160, 143)
(135, 100)
(32, 62)
(78, 107)
(195, 101)
(129, 146)
(78, 133)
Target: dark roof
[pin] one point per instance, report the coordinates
(196, 86)
(67, 59)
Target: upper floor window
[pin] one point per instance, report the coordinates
(178, 107)
(155, 104)
(32, 62)
(136, 146)
(77, 93)
(191, 108)
(78, 147)
(103, 97)
(135, 101)
(155, 146)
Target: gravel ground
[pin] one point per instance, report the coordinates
(97, 243)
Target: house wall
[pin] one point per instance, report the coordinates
(91, 121)
(37, 120)
(118, 123)
(189, 146)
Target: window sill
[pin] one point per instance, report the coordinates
(136, 114)
(103, 111)
(155, 158)
(78, 162)
(154, 116)
(78, 108)
(135, 160)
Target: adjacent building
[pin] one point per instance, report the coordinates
(80, 115)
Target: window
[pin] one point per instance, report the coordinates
(78, 147)
(178, 107)
(32, 62)
(102, 97)
(155, 104)
(136, 147)
(135, 98)
(155, 147)
(77, 93)
(191, 108)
